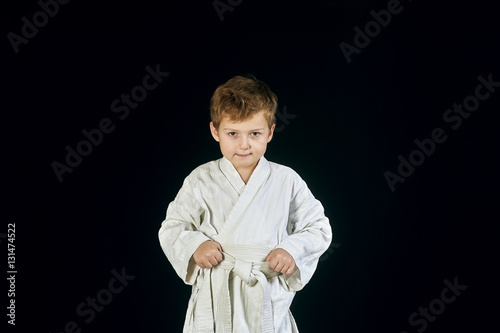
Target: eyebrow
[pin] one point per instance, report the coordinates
(253, 130)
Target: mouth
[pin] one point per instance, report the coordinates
(243, 155)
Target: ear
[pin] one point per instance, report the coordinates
(213, 130)
(271, 133)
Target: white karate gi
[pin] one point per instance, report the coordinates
(275, 209)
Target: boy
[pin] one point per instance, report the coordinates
(246, 233)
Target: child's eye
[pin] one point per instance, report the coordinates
(232, 133)
(255, 134)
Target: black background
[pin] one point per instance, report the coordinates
(392, 250)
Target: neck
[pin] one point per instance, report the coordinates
(246, 173)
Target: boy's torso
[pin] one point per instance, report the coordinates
(266, 198)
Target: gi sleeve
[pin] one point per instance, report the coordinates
(179, 234)
(311, 234)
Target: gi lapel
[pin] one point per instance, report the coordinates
(247, 193)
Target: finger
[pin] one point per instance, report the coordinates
(278, 267)
(271, 255)
(199, 263)
(212, 253)
(283, 269)
(218, 256)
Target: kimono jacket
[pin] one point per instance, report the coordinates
(275, 209)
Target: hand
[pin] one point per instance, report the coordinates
(281, 261)
(208, 254)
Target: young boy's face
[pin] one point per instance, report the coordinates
(245, 142)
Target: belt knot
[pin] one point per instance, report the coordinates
(243, 269)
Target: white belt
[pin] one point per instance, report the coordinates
(253, 272)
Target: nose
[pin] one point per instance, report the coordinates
(244, 143)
